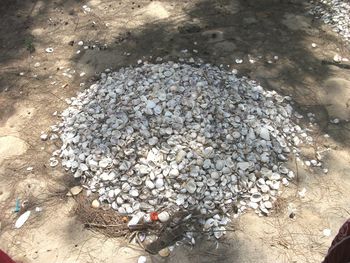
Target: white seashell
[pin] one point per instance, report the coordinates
(159, 183)
(149, 184)
(256, 198)
(219, 232)
(215, 175)
(126, 187)
(267, 204)
(163, 216)
(174, 173)
(151, 104)
(180, 200)
(134, 192)
(253, 205)
(264, 134)
(104, 163)
(121, 210)
(53, 162)
(243, 165)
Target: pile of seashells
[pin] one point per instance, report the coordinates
(336, 13)
(180, 136)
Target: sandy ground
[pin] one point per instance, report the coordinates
(34, 84)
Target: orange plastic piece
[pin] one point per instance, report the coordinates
(154, 216)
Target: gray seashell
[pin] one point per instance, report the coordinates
(191, 186)
(210, 182)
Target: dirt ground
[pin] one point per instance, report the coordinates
(34, 84)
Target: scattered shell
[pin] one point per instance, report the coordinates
(165, 252)
(75, 190)
(95, 204)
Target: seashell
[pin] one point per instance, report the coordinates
(219, 232)
(209, 205)
(264, 134)
(174, 173)
(208, 152)
(219, 165)
(180, 200)
(153, 141)
(163, 216)
(282, 169)
(95, 204)
(267, 204)
(149, 184)
(210, 182)
(134, 192)
(190, 186)
(256, 198)
(243, 165)
(214, 175)
(126, 187)
(253, 205)
(159, 183)
(209, 223)
(122, 210)
(53, 162)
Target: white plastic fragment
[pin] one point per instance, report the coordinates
(22, 219)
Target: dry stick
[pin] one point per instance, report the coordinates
(102, 225)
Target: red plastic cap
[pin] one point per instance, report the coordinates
(154, 216)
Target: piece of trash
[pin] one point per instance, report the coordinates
(327, 232)
(302, 193)
(22, 219)
(49, 50)
(30, 168)
(17, 206)
(142, 259)
(38, 209)
(313, 45)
